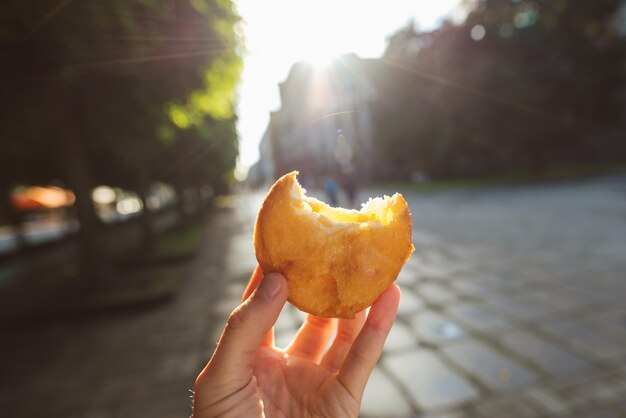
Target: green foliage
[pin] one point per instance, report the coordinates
(126, 79)
(216, 98)
(541, 88)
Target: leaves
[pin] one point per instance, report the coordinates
(130, 78)
(540, 87)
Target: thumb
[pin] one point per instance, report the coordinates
(248, 324)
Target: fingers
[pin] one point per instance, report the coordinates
(248, 324)
(347, 331)
(312, 338)
(255, 280)
(368, 346)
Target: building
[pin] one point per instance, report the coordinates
(324, 126)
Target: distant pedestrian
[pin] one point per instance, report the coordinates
(350, 186)
(332, 190)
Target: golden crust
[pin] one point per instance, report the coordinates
(333, 269)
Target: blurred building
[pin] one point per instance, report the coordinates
(324, 124)
(262, 172)
(406, 42)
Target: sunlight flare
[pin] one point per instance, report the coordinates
(281, 32)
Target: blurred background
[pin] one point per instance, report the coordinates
(138, 139)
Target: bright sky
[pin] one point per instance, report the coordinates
(281, 32)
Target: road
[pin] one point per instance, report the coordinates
(512, 306)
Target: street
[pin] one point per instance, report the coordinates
(512, 306)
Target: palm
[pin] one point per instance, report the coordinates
(292, 386)
(248, 376)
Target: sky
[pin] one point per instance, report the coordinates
(278, 33)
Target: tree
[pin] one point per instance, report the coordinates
(517, 85)
(104, 88)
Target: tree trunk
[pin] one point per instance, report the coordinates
(94, 257)
(181, 204)
(147, 216)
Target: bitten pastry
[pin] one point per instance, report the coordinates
(336, 261)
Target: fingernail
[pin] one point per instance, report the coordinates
(270, 285)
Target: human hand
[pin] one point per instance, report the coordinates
(248, 376)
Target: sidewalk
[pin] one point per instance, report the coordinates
(134, 364)
(477, 335)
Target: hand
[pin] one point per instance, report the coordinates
(248, 376)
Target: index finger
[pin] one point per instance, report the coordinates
(368, 346)
(255, 280)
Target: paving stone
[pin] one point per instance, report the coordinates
(401, 337)
(235, 289)
(549, 357)
(606, 391)
(621, 383)
(299, 315)
(283, 338)
(436, 268)
(435, 293)
(499, 282)
(518, 310)
(547, 401)
(507, 281)
(585, 338)
(430, 382)
(597, 293)
(491, 368)
(408, 276)
(473, 289)
(614, 318)
(494, 287)
(507, 407)
(601, 390)
(413, 263)
(409, 303)
(456, 414)
(479, 317)
(240, 258)
(382, 399)
(548, 310)
(296, 313)
(436, 329)
(558, 299)
(286, 321)
(612, 322)
(225, 306)
(592, 410)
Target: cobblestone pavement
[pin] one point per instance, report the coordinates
(512, 306)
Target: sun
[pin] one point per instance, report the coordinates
(322, 59)
(279, 33)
